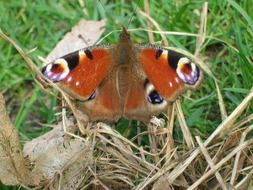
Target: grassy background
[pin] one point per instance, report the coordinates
(40, 24)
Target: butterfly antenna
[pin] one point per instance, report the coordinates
(134, 12)
(108, 17)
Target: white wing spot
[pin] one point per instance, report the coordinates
(69, 79)
(81, 52)
(176, 79)
(164, 54)
(77, 83)
(54, 77)
(170, 84)
(49, 74)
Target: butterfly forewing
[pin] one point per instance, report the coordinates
(170, 72)
(81, 72)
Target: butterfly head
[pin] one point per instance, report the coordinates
(124, 35)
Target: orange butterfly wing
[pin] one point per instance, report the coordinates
(169, 71)
(125, 80)
(86, 76)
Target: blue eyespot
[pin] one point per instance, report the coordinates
(154, 97)
(92, 96)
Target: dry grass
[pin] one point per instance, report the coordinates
(98, 157)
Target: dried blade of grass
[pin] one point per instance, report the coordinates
(202, 29)
(199, 42)
(240, 147)
(28, 61)
(103, 128)
(152, 142)
(140, 161)
(182, 34)
(244, 121)
(223, 128)
(108, 34)
(243, 184)
(135, 166)
(237, 158)
(161, 184)
(169, 164)
(125, 149)
(150, 34)
(171, 116)
(223, 111)
(170, 146)
(106, 162)
(179, 169)
(81, 121)
(156, 25)
(185, 130)
(96, 180)
(82, 5)
(210, 162)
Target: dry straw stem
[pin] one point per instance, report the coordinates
(156, 25)
(150, 34)
(199, 42)
(210, 162)
(218, 165)
(221, 130)
(238, 155)
(27, 60)
(101, 157)
(185, 130)
(202, 29)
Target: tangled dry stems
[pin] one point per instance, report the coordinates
(77, 154)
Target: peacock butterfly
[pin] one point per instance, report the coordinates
(125, 80)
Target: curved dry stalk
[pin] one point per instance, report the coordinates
(240, 147)
(202, 29)
(223, 111)
(185, 130)
(210, 163)
(227, 123)
(236, 163)
(150, 34)
(164, 39)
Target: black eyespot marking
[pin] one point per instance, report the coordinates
(88, 54)
(173, 58)
(154, 97)
(146, 82)
(72, 60)
(158, 53)
(43, 69)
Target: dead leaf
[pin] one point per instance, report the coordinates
(12, 163)
(82, 35)
(57, 153)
